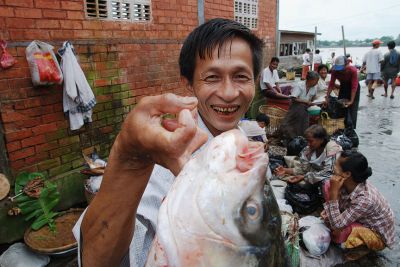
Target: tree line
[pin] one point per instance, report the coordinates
(350, 43)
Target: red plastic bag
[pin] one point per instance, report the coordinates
(43, 64)
(6, 60)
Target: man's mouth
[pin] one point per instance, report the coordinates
(225, 110)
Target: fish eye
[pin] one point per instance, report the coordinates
(252, 210)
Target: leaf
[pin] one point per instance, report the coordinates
(21, 180)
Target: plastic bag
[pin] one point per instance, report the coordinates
(296, 145)
(303, 200)
(43, 64)
(6, 60)
(19, 255)
(342, 139)
(316, 237)
(335, 108)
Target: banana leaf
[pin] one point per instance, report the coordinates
(37, 209)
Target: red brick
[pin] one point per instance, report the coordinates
(56, 14)
(21, 154)
(36, 34)
(83, 34)
(28, 13)
(79, 15)
(20, 83)
(40, 139)
(18, 135)
(92, 25)
(107, 129)
(20, 23)
(71, 24)
(36, 158)
(13, 146)
(29, 122)
(13, 117)
(17, 165)
(45, 128)
(61, 34)
(69, 5)
(47, 4)
(58, 116)
(48, 24)
(102, 82)
(46, 146)
(6, 11)
(23, 3)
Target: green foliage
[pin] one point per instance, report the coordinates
(38, 209)
(357, 43)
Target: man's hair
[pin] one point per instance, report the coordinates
(215, 33)
(308, 50)
(317, 51)
(312, 75)
(322, 66)
(391, 45)
(261, 117)
(356, 164)
(274, 59)
(318, 132)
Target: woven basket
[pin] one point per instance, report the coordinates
(331, 125)
(290, 75)
(275, 115)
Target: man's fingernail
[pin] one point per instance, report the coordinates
(188, 99)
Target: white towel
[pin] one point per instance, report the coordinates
(78, 98)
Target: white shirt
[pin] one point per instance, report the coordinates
(251, 129)
(317, 59)
(270, 77)
(306, 59)
(372, 60)
(300, 91)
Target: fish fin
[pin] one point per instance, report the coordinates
(157, 256)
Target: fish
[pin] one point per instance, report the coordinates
(218, 212)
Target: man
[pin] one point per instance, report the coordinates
(306, 64)
(317, 60)
(349, 87)
(219, 63)
(371, 62)
(255, 130)
(269, 81)
(390, 68)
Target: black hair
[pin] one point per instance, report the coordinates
(308, 50)
(317, 51)
(391, 45)
(274, 59)
(261, 117)
(320, 67)
(312, 75)
(318, 132)
(215, 33)
(355, 163)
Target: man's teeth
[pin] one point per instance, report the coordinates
(226, 110)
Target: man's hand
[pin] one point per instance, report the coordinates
(168, 142)
(296, 179)
(280, 171)
(336, 183)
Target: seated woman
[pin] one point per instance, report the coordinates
(296, 120)
(323, 83)
(359, 216)
(317, 160)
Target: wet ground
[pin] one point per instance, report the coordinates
(378, 127)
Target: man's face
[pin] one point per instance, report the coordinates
(273, 65)
(224, 85)
(261, 124)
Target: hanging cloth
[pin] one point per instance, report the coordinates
(78, 97)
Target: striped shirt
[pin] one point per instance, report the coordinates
(364, 205)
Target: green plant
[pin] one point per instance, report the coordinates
(39, 204)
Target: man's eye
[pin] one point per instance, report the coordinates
(241, 77)
(212, 78)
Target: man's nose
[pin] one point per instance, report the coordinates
(228, 91)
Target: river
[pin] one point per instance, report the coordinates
(356, 53)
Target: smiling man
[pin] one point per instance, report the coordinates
(219, 63)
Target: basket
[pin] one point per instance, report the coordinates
(331, 125)
(290, 75)
(275, 115)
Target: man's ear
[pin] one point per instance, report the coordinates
(346, 174)
(185, 82)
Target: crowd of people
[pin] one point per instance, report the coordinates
(220, 62)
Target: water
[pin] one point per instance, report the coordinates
(378, 127)
(356, 53)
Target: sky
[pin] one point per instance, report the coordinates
(361, 19)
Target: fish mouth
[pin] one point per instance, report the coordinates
(225, 110)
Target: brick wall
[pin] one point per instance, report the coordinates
(123, 61)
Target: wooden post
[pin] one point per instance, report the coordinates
(344, 41)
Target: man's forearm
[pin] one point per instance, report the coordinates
(108, 225)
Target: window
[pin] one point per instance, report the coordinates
(246, 12)
(131, 10)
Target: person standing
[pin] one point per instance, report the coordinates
(269, 81)
(306, 64)
(390, 67)
(349, 87)
(371, 62)
(317, 60)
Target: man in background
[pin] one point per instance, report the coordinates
(269, 81)
(372, 63)
(317, 60)
(390, 68)
(306, 64)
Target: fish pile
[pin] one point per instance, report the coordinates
(217, 213)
